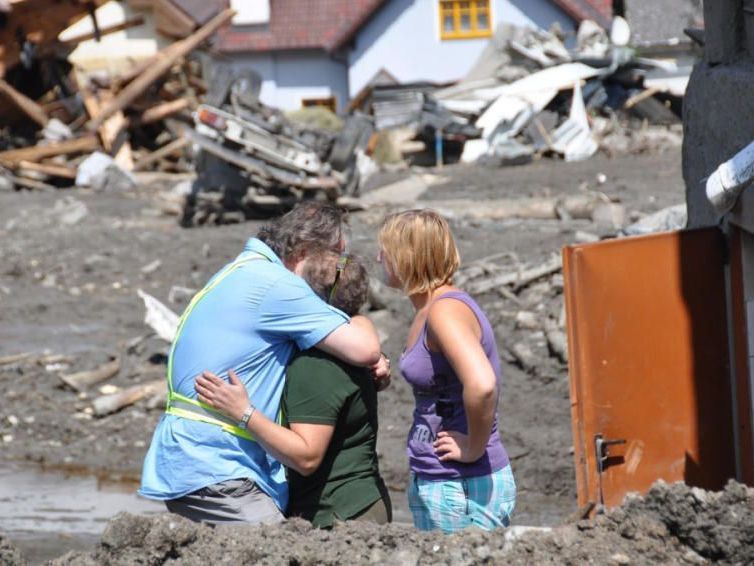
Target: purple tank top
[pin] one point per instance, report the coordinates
(439, 404)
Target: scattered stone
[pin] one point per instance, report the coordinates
(670, 218)
(527, 320)
(180, 295)
(9, 554)
(70, 211)
(524, 356)
(610, 214)
(581, 237)
(151, 267)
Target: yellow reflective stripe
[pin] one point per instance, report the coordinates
(236, 430)
(196, 298)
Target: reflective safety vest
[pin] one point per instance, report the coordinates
(193, 409)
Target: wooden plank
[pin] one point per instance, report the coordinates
(112, 132)
(107, 404)
(83, 379)
(38, 152)
(163, 63)
(161, 153)
(50, 169)
(24, 103)
(162, 111)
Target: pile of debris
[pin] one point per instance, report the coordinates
(135, 118)
(94, 127)
(253, 161)
(527, 96)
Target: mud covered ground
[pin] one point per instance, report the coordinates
(672, 525)
(72, 261)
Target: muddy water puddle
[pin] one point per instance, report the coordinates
(46, 513)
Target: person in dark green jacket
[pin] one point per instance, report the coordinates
(330, 410)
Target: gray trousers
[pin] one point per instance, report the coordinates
(231, 501)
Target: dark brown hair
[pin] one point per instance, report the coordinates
(307, 226)
(352, 288)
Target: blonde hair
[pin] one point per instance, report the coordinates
(420, 248)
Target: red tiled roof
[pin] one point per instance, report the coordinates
(301, 24)
(329, 24)
(601, 11)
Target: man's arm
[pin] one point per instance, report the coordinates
(355, 343)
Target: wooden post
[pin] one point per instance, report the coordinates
(158, 154)
(164, 61)
(162, 111)
(51, 169)
(112, 129)
(40, 151)
(26, 104)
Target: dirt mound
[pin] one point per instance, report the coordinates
(673, 524)
(9, 554)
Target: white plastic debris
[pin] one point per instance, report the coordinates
(573, 138)
(100, 172)
(159, 317)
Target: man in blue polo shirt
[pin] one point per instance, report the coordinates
(251, 316)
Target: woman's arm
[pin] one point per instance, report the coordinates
(455, 331)
(301, 447)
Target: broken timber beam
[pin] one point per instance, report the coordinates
(519, 279)
(164, 151)
(112, 132)
(107, 404)
(24, 103)
(164, 60)
(83, 379)
(83, 144)
(162, 111)
(51, 169)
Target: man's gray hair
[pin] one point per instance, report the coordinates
(308, 226)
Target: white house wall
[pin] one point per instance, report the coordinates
(288, 77)
(404, 39)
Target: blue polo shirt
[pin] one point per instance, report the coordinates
(252, 321)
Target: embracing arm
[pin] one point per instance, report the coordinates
(454, 329)
(355, 343)
(301, 447)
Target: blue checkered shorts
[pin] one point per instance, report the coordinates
(450, 505)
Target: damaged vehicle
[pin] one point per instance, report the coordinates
(253, 161)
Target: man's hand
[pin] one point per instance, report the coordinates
(381, 372)
(228, 398)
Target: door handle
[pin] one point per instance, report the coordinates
(602, 453)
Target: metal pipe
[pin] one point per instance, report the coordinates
(727, 182)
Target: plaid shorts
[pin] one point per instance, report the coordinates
(450, 505)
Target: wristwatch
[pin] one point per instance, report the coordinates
(244, 422)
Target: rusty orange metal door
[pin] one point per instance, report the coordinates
(649, 370)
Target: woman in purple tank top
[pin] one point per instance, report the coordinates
(460, 472)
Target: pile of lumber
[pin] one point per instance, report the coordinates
(137, 117)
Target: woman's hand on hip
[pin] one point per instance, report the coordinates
(228, 398)
(454, 446)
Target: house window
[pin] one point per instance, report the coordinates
(465, 19)
(327, 102)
